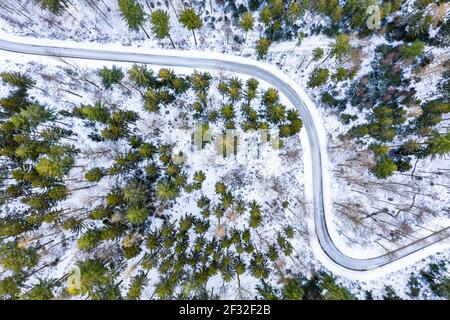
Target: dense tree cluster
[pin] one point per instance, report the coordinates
(321, 286)
(386, 92)
(186, 251)
(35, 160)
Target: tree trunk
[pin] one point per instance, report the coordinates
(195, 39)
(171, 41)
(145, 31)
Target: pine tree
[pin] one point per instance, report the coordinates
(89, 240)
(227, 111)
(30, 117)
(271, 96)
(164, 288)
(318, 77)
(255, 215)
(137, 215)
(239, 267)
(97, 112)
(111, 76)
(152, 101)
(200, 81)
(265, 16)
(54, 6)
(142, 76)
(331, 290)
(95, 174)
(136, 286)
(54, 168)
(159, 20)
(413, 50)
(247, 22)
(166, 190)
(234, 90)
(317, 55)
(340, 47)
(135, 192)
(97, 281)
(294, 11)
(438, 145)
(17, 79)
(293, 289)
(43, 290)
(220, 188)
(384, 168)
(276, 113)
(251, 87)
(191, 21)
(10, 287)
(390, 293)
(262, 47)
(133, 14)
(16, 258)
(410, 147)
(258, 266)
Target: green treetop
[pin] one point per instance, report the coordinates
(132, 13)
(191, 21)
(159, 20)
(413, 50)
(318, 77)
(247, 22)
(384, 168)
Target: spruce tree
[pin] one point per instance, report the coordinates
(438, 145)
(413, 50)
(262, 47)
(55, 6)
(111, 76)
(384, 168)
(191, 21)
(247, 22)
(133, 14)
(159, 20)
(318, 77)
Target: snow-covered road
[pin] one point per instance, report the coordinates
(316, 159)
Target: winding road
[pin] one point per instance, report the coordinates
(316, 163)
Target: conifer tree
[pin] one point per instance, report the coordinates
(191, 21)
(247, 22)
(438, 145)
(340, 47)
(137, 215)
(318, 77)
(17, 79)
(142, 76)
(89, 240)
(317, 55)
(133, 14)
(111, 76)
(331, 290)
(137, 285)
(262, 47)
(166, 190)
(413, 50)
(385, 167)
(43, 290)
(16, 258)
(97, 281)
(159, 20)
(54, 6)
(255, 214)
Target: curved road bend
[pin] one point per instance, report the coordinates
(250, 68)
